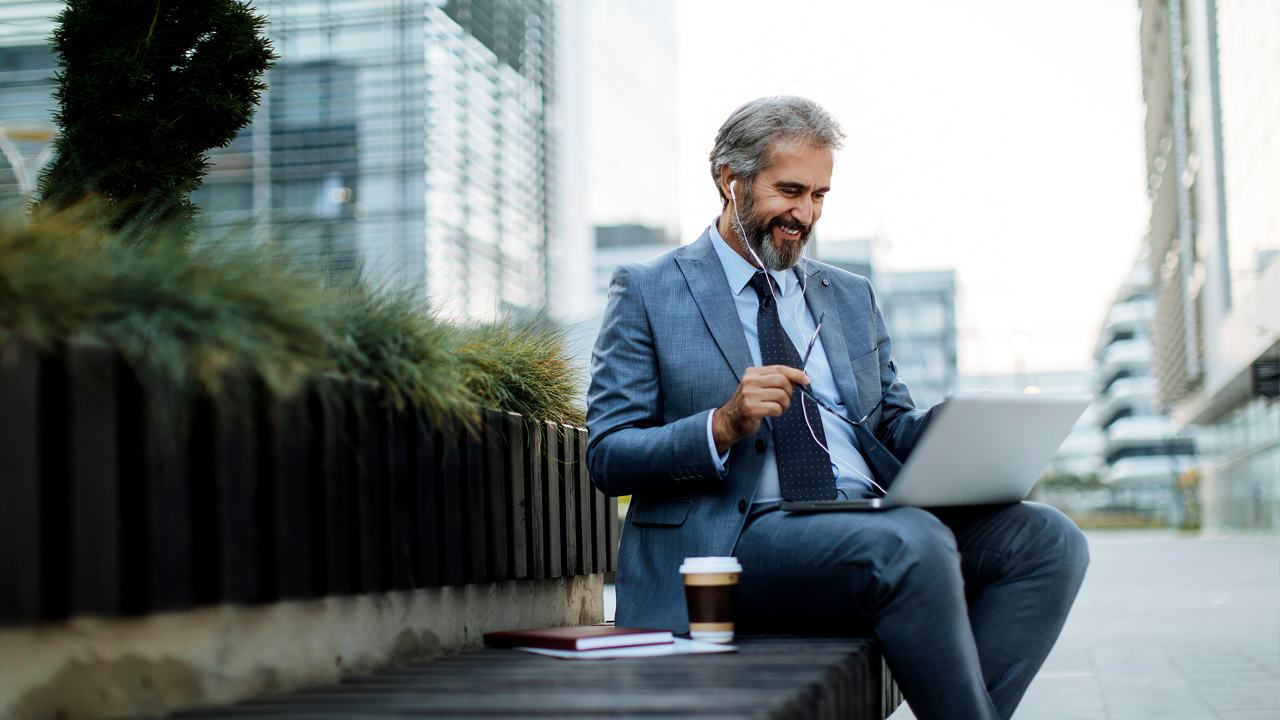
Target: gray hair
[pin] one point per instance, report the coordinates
(745, 139)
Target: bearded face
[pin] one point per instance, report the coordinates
(777, 240)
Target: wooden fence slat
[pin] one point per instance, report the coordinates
(424, 486)
(586, 503)
(452, 512)
(237, 478)
(289, 505)
(517, 501)
(496, 475)
(572, 534)
(473, 498)
(19, 493)
(55, 485)
(535, 496)
(92, 377)
(202, 479)
(166, 496)
(335, 515)
(363, 427)
(552, 503)
(399, 550)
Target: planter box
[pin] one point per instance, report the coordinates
(120, 495)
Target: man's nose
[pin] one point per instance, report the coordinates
(803, 211)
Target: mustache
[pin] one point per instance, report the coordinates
(788, 224)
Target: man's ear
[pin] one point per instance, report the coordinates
(726, 180)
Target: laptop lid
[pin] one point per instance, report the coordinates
(985, 448)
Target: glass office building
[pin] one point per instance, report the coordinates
(1146, 458)
(405, 142)
(1211, 81)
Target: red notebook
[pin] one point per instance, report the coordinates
(578, 637)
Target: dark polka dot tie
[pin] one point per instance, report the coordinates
(804, 468)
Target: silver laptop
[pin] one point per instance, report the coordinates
(979, 449)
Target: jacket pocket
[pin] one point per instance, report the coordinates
(669, 513)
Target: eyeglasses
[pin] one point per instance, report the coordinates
(812, 341)
(806, 390)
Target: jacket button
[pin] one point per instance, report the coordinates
(742, 506)
(825, 282)
(759, 446)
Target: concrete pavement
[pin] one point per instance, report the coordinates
(1167, 627)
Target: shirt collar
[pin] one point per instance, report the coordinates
(739, 271)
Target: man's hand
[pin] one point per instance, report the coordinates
(763, 392)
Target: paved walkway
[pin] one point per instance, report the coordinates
(1167, 627)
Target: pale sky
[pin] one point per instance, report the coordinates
(1001, 138)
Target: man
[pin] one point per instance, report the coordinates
(696, 410)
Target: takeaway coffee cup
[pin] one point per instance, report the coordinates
(709, 587)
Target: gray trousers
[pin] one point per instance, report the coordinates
(966, 602)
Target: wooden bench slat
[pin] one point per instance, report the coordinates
(768, 677)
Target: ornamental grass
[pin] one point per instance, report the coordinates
(198, 314)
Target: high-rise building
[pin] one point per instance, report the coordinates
(1145, 457)
(1211, 81)
(919, 309)
(407, 141)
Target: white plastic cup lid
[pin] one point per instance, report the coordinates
(710, 565)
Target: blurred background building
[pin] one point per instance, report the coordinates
(1211, 82)
(26, 96)
(620, 89)
(412, 143)
(919, 309)
(1146, 461)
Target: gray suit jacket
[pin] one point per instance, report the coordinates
(670, 350)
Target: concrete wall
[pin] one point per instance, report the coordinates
(148, 666)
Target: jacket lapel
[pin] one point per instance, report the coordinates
(820, 297)
(710, 289)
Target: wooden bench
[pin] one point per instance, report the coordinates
(769, 677)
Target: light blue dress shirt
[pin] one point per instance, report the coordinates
(853, 477)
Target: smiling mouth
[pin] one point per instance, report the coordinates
(789, 230)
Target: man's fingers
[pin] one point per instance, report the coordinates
(772, 409)
(794, 375)
(775, 374)
(766, 399)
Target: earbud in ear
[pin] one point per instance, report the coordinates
(731, 193)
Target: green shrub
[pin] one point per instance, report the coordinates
(522, 367)
(191, 315)
(390, 340)
(145, 90)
